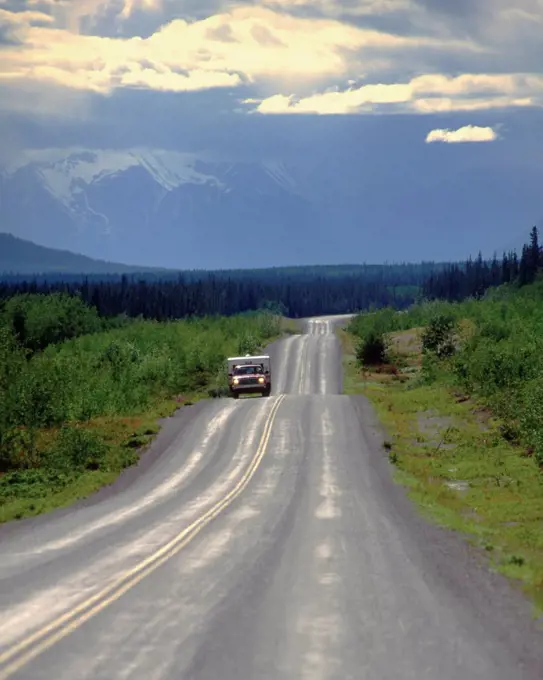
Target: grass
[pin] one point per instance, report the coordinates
(125, 438)
(78, 412)
(448, 450)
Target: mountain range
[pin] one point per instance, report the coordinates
(180, 210)
(157, 208)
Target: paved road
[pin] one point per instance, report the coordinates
(258, 539)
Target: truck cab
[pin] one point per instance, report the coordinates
(249, 375)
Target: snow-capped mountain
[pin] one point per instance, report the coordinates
(155, 207)
(198, 210)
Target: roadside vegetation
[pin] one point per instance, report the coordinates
(459, 388)
(80, 394)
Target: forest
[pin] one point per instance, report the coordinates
(455, 282)
(175, 299)
(297, 293)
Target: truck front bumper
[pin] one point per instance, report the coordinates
(249, 389)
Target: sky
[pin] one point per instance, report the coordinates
(426, 85)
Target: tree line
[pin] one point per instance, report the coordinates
(293, 291)
(457, 282)
(293, 295)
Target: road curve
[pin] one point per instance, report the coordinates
(258, 539)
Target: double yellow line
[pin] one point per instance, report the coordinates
(17, 656)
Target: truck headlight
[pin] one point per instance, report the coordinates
(261, 380)
(235, 381)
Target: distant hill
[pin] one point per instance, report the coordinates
(18, 256)
(21, 259)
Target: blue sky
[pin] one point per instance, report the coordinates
(435, 89)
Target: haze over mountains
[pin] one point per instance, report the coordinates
(200, 210)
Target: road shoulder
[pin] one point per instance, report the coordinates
(461, 474)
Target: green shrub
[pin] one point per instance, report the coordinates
(438, 336)
(248, 344)
(76, 449)
(38, 320)
(34, 483)
(531, 416)
(371, 350)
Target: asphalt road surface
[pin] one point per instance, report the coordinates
(258, 539)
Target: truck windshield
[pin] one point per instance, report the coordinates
(247, 370)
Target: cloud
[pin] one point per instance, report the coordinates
(333, 8)
(76, 14)
(25, 18)
(188, 55)
(286, 56)
(11, 23)
(431, 93)
(468, 133)
(147, 5)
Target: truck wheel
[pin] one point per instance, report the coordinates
(235, 395)
(266, 393)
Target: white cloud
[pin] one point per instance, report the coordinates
(448, 105)
(468, 133)
(432, 93)
(290, 58)
(248, 44)
(336, 102)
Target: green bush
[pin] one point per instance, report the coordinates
(76, 449)
(248, 344)
(438, 336)
(39, 320)
(371, 350)
(33, 483)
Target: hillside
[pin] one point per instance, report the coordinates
(18, 256)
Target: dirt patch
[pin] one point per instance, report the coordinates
(433, 428)
(432, 424)
(385, 369)
(483, 416)
(407, 342)
(459, 485)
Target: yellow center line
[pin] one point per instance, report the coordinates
(73, 619)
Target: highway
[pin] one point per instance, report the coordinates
(259, 539)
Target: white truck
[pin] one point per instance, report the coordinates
(249, 375)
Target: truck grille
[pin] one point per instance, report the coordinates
(249, 381)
